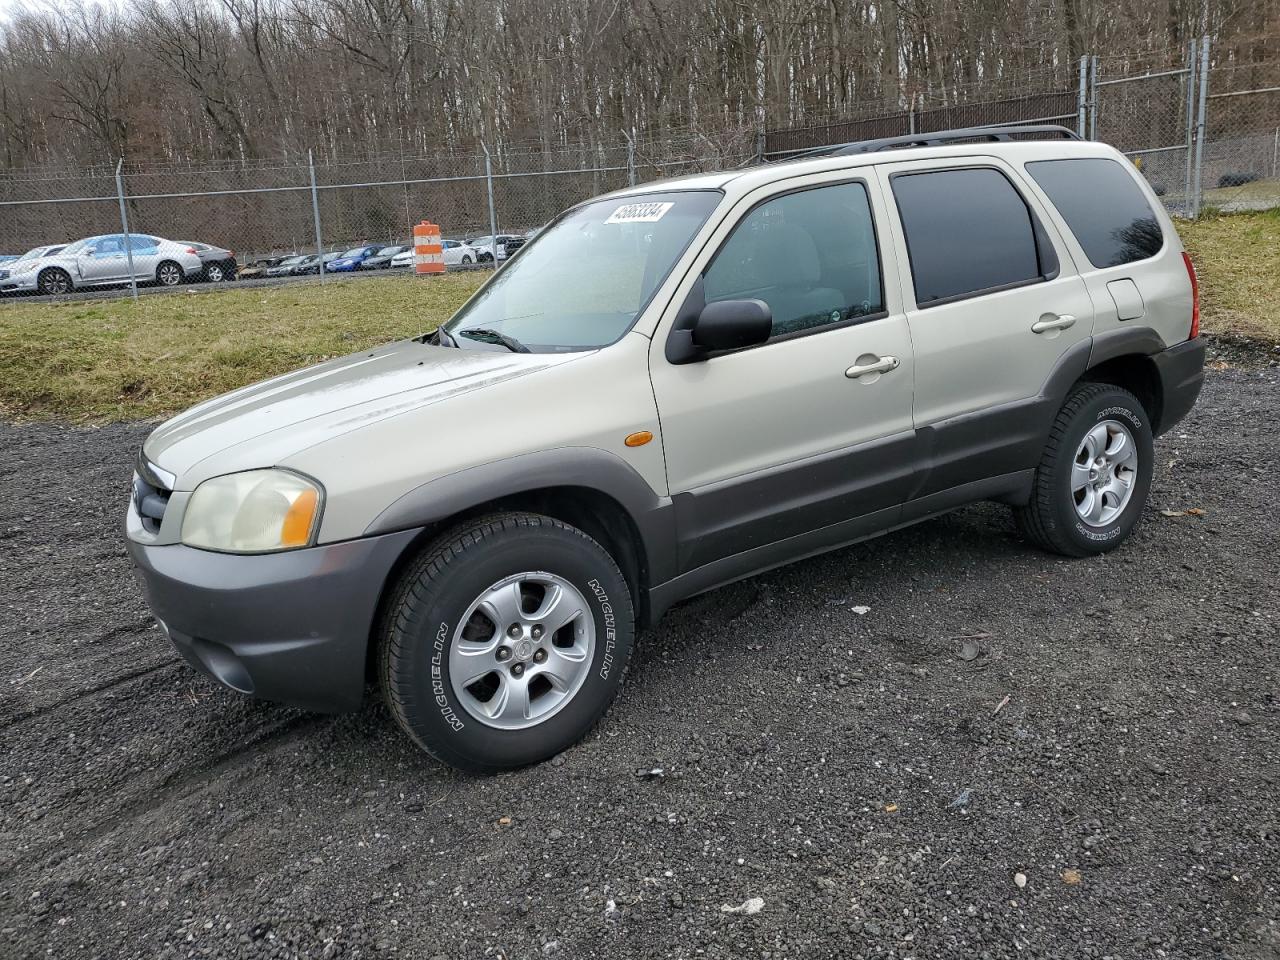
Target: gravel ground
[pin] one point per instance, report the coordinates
(1101, 780)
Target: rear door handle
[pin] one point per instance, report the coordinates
(883, 365)
(1060, 322)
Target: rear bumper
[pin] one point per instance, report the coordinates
(292, 627)
(1181, 370)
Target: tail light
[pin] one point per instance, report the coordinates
(192, 251)
(1195, 297)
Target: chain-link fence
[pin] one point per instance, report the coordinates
(1206, 134)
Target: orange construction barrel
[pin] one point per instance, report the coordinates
(428, 252)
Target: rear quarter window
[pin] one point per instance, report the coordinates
(1104, 207)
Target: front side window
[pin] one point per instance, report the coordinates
(968, 231)
(810, 255)
(583, 282)
(1103, 206)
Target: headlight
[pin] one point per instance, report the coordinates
(258, 511)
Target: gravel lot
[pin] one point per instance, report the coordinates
(1102, 780)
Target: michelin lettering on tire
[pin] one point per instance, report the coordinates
(438, 648)
(610, 627)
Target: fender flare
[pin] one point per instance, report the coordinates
(584, 467)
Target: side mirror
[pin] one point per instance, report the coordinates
(88, 251)
(732, 324)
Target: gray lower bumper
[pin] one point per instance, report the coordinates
(292, 627)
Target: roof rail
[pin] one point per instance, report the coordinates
(938, 138)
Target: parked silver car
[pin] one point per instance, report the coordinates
(10, 270)
(101, 261)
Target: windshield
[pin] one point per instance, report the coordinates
(389, 251)
(79, 245)
(582, 282)
(354, 252)
(35, 253)
(290, 261)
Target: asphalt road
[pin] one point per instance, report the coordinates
(149, 290)
(1101, 780)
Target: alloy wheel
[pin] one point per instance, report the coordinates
(522, 650)
(1104, 473)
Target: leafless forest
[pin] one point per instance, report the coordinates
(211, 80)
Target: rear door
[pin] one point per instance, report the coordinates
(994, 303)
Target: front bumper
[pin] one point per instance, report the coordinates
(22, 284)
(1181, 370)
(292, 627)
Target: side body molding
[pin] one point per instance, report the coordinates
(585, 467)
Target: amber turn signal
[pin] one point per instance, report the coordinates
(638, 439)
(296, 530)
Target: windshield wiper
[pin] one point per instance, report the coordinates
(486, 335)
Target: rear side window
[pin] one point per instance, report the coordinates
(1104, 208)
(968, 232)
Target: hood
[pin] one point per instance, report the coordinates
(263, 424)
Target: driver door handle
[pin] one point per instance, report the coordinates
(1060, 322)
(883, 365)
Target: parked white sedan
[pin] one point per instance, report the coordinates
(455, 252)
(101, 261)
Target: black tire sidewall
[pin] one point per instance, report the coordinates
(432, 711)
(1116, 405)
(50, 274)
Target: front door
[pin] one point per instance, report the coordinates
(813, 426)
(106, 263)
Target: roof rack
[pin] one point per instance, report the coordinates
(938, 138)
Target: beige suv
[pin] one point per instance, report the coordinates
(672, 387)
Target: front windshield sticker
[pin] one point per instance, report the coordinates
(640, 212)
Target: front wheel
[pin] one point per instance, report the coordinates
(466, 258)
(168, 274)
(214, 273)
(1093, 479)
(505, 642)
(54, 281)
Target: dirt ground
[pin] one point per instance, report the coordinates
(1101, 780)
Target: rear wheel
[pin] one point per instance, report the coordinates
(54, 281)
(506, 641)
(1093, 479)
(215, 273)
(168, 274)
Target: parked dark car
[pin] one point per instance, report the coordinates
(351, 259)
(217, 263)
(310, 265)
(382, 259)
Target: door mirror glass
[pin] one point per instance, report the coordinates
(733, 324)
(88, 251)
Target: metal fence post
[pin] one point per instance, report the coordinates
(315, 213)
(911, 116)
(1083, 96)
(493, 214)
(1093, 97)
(124, 223)
(1191, 123)
(1200, 125)
(631, 158)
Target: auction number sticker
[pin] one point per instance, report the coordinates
(640, 212)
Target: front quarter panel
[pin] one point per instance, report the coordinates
(593, 403)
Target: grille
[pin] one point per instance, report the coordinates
(150, 496)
